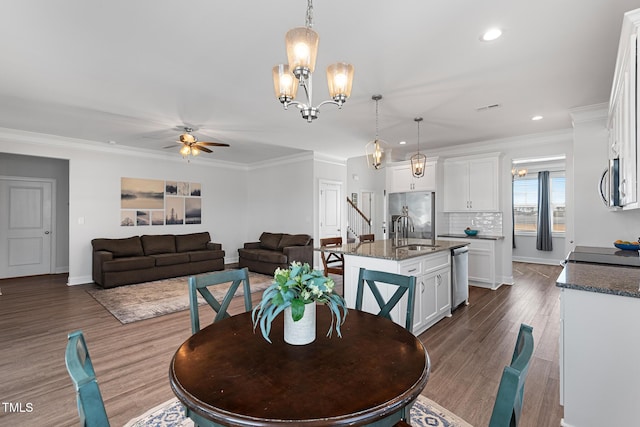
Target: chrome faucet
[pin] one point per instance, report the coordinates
(405, 229)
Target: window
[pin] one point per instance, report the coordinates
(525, 203)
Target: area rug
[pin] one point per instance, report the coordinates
(424, 413)
(132, 303)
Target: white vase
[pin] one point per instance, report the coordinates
(304, 330)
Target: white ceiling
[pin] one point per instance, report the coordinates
(132, 71)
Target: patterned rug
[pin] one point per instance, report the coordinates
(152, 299)
(424, 413)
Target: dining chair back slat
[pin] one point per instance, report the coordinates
(509, 399)
(90, 404)
(333, 262)
(201, 284)
(404, 284)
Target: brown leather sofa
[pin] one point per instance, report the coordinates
(275, 250)
(144, 258)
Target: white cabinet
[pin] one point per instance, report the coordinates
(401, 180)
(623, 112)
(599, 353)
(433, 289)
(484, 261)
(471, 184)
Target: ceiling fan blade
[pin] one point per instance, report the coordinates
(205, 149)
(170, 146)
(214, 144)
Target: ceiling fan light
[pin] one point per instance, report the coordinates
(284, 83)
(195, 151)
(302, 49)
(185, 150)
(340, 79)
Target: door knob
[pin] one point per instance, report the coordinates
(46, 232)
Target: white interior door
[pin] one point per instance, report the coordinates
(25, 227)
(330, 209)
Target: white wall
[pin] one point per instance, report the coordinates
(94, 192)
(595, 224)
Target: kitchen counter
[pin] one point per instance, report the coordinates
(384, 249)
(477, 236)
(606, 279)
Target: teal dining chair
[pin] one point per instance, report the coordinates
(201, 284)
(90, 404)
(404, 284)
(508, 405)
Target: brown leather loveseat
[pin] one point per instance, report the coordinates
(144, 258)
(275, 250)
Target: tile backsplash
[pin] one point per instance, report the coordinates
(487, 223)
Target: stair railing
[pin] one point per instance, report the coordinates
(357, 222)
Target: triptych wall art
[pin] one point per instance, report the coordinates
(156, 202)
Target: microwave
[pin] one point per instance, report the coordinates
(610, 185)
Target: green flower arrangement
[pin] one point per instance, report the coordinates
(295, 287)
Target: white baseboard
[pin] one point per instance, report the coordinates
(538, 260)
(80, 280)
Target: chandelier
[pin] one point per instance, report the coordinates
(375, 150)
(418, 160)
(302, 48)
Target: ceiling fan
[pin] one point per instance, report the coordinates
(191, 146)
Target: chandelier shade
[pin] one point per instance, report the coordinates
(302, 50)
(418, 160)
(340, 79)
(285, 83)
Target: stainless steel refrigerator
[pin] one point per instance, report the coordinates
(420, 222)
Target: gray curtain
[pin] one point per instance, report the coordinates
(543, 241)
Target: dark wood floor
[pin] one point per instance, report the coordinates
(468, 351)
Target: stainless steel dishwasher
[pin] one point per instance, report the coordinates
(459, 276)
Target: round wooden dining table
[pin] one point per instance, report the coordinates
(229, 375)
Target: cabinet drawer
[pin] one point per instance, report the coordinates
(436, 261)
(411, 268)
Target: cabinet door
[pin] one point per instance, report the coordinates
(443, 291)
(428, 180)
(400, 179)
(483, 184)
(427, 298)
(456, 186)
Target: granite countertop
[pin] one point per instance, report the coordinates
(477, 236)
(384, 249)
(606, 279)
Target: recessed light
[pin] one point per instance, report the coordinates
(491, 34)
(112, 142)
(403, 142)
(536, 118)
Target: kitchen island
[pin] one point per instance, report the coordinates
(599, 349)
(429, 262)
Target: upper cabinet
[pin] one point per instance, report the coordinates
(401, 180)
(623, 112)
(471, 184)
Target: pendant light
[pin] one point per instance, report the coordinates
(375, 150)
(418, 160)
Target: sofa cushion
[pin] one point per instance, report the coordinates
(294, 240)
(128, 263)
(251, 254)
(170, 259)
(196, 256)
(128, 247)
(161, 244)
(270, 240)
(192, 242)
(272, 257)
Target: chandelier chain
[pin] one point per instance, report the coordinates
(309, 18)
(376, 119)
